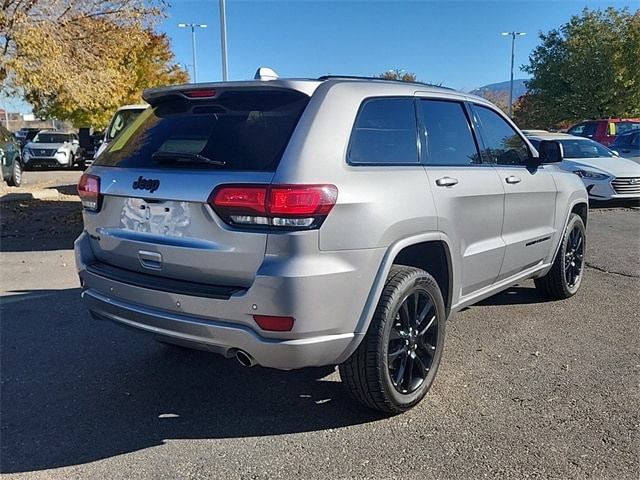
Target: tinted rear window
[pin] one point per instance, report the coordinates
(240, 130)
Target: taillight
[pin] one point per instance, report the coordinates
(89, 192)
(286, 207)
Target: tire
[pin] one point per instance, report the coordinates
(396, 363)
(565, 276)
(16, 173)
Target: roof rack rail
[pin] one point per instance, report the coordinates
(381, 79)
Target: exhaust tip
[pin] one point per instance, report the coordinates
(245, 359)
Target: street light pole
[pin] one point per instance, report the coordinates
(193, 45)
(223, 39)
(513, 54)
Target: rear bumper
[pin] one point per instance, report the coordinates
(325, 295)
(220, 337)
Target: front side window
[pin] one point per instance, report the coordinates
(385, 133)
(448, 134)
(623, 127)
(503, 145)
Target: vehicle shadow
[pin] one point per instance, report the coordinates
(77, 390)
(516, 295)
(32, 224)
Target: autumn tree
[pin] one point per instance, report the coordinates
(398, 75)
(79, 59)
(149, 64)
(588, 68)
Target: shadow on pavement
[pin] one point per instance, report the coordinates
(76, 390)
(31, 224)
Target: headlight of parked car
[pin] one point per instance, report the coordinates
(588, 174)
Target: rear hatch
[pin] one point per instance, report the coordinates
(148, 197)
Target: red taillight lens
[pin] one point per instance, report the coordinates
(309, 200)
(89, 192)
(274, 324)
(249, 199)
(292, 207)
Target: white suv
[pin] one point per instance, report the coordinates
(53, 148)
(334, 221)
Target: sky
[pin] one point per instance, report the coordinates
(455, 43)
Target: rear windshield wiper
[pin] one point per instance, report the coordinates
(186, 157)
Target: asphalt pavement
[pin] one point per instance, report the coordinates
(528, 388)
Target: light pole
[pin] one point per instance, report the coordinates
(513, 54)
(193, 44)
(223, 39)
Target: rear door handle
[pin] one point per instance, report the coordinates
(446, 182)
(513, 179)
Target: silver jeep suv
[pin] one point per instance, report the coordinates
(333, 221)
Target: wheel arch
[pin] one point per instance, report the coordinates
(430, 252)
(581, 209)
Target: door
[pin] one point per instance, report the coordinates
(530, 194)
(468, 195)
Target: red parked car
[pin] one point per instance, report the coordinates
(604, 131)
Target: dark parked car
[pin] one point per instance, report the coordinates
(10, 159)
(26, 134)
(628, 144)
(604, 131)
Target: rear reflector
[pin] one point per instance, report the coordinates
(274, 324)
(89, 192)
(290, 207)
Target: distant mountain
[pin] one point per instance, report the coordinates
(497, 90)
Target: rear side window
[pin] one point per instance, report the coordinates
(448, 134)
(120, 120)
(240, 130)
(385, 133)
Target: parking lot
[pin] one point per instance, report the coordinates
(528, 388)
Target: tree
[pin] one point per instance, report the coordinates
(588, 68)
(73, 57)
(149, 64)
(399, 75)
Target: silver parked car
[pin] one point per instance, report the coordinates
(53, 148)
(333, 221)
(605, 175)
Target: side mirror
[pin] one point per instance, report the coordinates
(550, 152)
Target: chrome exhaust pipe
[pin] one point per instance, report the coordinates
(245, 359)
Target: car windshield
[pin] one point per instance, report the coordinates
(580, 148)
(52, 138)
(584, 149)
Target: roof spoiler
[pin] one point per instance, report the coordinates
(265, 73)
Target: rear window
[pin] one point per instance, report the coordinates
(240, 130)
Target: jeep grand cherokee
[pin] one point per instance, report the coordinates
(333, 221)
